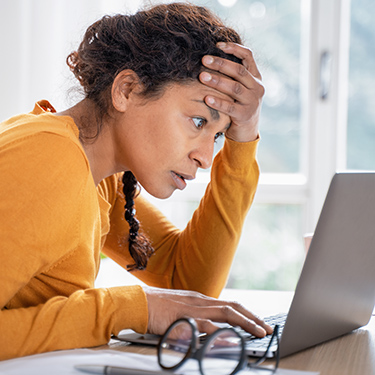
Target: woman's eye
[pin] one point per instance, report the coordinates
(218, 135)
(199, 122)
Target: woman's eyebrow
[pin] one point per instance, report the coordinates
(215, 114)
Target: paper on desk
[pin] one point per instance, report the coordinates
(63, 362)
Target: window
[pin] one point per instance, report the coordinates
(361, 109)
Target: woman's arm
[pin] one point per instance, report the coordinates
(199, 257)
(84, 319)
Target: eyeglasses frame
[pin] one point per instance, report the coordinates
(197, 353)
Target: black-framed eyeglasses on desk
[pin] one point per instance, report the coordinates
(181, 342)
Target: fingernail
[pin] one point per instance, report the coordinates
(206, 77)
(208, 59)
(221, 45)
(210, 100)
(261, 331)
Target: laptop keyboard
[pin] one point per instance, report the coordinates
(262, 343)
(253, 341)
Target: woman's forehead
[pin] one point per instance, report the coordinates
(197, 88)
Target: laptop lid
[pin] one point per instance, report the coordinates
(335, 293)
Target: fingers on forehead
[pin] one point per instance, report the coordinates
(243, 53)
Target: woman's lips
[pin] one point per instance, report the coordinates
(179, 179)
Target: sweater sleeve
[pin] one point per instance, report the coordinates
(200, 256)
(84, 319)
(41, 228)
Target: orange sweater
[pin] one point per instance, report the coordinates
(54, 223)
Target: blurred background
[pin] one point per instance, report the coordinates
(317, 59)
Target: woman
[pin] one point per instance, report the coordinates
(159, 90)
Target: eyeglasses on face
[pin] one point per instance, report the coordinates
(221, 353)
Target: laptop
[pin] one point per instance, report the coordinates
(335, 293)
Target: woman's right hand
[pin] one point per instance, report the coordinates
(165, 306)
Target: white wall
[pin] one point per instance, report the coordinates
(35, 38)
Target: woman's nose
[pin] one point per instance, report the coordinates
(203, 155)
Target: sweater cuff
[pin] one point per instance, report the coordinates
(239, 155)
(131, 308)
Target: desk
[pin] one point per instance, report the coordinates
(352, 354)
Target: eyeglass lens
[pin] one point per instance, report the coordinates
(176, 344)
(222, 353)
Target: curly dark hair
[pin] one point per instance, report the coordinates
(163, 44)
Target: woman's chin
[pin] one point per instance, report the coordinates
(159, 193)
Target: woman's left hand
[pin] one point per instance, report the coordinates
(242, 82)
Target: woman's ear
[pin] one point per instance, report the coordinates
(125, 83)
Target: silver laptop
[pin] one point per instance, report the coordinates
(335, 293)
